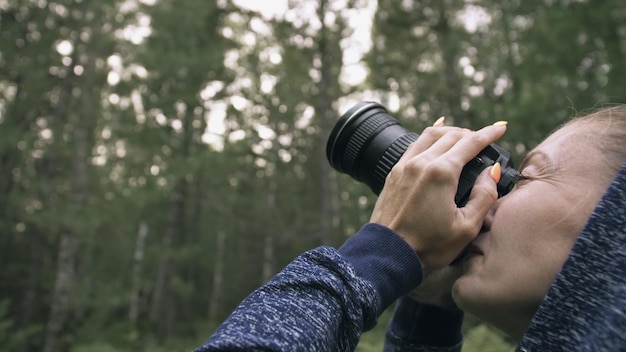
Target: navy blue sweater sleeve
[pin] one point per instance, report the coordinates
(324, 299)
(383, 258)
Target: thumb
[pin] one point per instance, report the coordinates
(483, 195)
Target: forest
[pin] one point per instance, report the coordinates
(161, 159)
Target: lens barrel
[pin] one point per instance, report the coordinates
(367, 142)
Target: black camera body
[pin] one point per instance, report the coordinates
(367, 142)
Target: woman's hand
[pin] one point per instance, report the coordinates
(417, 201)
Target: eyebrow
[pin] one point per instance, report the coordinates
(533, 154)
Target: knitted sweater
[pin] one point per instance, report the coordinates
(326, 298)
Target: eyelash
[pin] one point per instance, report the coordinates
(521, 177)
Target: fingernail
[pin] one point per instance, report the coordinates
(439, 121)
(501, 123)
(495, 172)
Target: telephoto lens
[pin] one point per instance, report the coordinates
(367, 142)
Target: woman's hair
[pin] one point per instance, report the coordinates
(606, 129)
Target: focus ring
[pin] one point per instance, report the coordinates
(361, 135)
(391, 157)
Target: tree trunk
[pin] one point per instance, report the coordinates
(82, 122)
(161, 305)
(30, 300)
(268, 242)
(15, 125)
(324, 111)
(449, 55)
(133, 310)
(218, 274)
(61, 304)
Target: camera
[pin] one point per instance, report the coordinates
(367, 142)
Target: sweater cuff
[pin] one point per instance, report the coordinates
(425, 324)
(383, 258)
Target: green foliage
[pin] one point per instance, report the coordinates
(145, 346)
(372, 341)
(96, 347)
(482, 338)
(10, 338)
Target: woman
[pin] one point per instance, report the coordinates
(326, 298)
(526, 238)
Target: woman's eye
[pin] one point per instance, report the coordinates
(520, 179)
(532, 173)
(523, 177)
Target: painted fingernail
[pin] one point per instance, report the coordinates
(439, 121)
(501, 123)
(495, 172)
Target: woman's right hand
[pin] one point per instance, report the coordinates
(417, 201)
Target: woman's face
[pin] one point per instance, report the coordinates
(528, 233)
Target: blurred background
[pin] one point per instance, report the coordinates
(160, 159)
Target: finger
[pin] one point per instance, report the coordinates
(473, 143)
(481, 199)
(445, 143)
(427, 165)
(428, 138)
